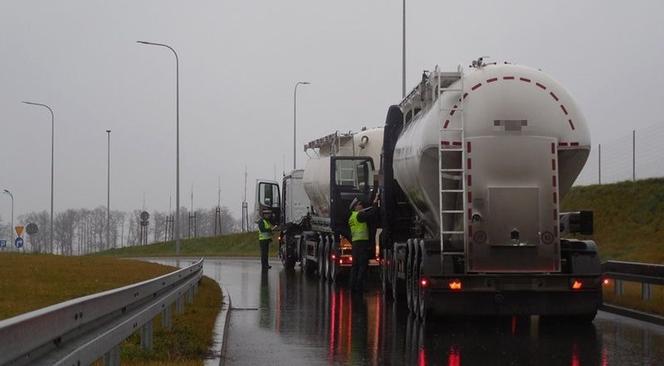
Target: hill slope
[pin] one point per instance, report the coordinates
(232, 245)
(628, 218)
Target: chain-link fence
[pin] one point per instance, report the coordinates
(635, 156)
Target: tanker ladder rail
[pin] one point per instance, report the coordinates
(451, 159)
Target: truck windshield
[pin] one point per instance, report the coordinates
(354, 174)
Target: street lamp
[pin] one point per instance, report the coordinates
(52, 149)
(177, 141)
(403, 52)
(108, 193)
(295, 119)
(12, 197)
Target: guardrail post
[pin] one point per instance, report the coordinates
(618, 287)
(167, 317)
(646, 291)
(189, 296)
(179, 305)
(112, 357)
(146, 336)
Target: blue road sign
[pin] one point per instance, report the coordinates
(19, 242)
(3, 243)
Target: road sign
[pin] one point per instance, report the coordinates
(3, 243)
(19, 230)
(145, 216)
(19, 242)
(31, 229)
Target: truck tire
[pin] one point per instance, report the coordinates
(328, 260)
(309, 267)
(409, 276)
(320, 256)
(334, 272)
(398, 286)
(385, 274)
(415, 277)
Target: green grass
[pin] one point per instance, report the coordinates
(32, 281)
(232, 245)
(628, 218)
(188, 341)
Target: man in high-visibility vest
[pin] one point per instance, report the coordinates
(358, 223)
(264, 237)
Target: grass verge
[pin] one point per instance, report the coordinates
(628, 218)
(188, 341)
(232, 245)
(29, 282)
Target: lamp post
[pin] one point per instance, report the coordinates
(11, 229)
(52, 149)
(295, 119)
(108, 193)
(403, 52)
(177, 141)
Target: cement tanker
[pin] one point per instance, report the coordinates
(474, 168)
(471, 168)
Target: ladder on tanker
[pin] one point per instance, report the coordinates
(451, 163)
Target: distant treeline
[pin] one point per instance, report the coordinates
(81, 231)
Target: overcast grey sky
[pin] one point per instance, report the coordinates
(239, 61)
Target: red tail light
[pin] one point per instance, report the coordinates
(577, 285)
(455, 285)
(424, 282)
(606, 282)
(334, 256)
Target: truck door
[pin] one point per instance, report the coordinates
(351, 177)
(268, 198)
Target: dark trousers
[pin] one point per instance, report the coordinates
(265, 246)
(358, 273)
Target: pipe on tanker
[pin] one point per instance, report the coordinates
(393, 126)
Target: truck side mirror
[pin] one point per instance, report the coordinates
(580, 222)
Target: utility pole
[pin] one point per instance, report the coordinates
(108, 193)
(403, 52)
(245, 207)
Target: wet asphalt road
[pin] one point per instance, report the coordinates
(282, 318)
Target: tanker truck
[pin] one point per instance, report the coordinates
(474, 166)
(313, 214)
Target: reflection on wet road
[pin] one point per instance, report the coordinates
(282, 318)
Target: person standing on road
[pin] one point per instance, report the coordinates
(359, 228)
(264, 237)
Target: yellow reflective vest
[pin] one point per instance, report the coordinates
(265, 235)
(359, 230)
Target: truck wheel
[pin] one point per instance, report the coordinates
(409, 277)
(334, 272)
(424, 310)
(321, 263)
(322, 267)
(385, 274)
(415, 275)
(328, 262)
(309, 267)
(398, 286)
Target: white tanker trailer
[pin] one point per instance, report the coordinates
(314, 214)
(472, 170)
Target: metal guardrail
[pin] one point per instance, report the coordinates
(80, 331)
(644, 273)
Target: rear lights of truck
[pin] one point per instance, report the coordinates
(424, 282)
(576, 285)
(454, 285)
(346, 260)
